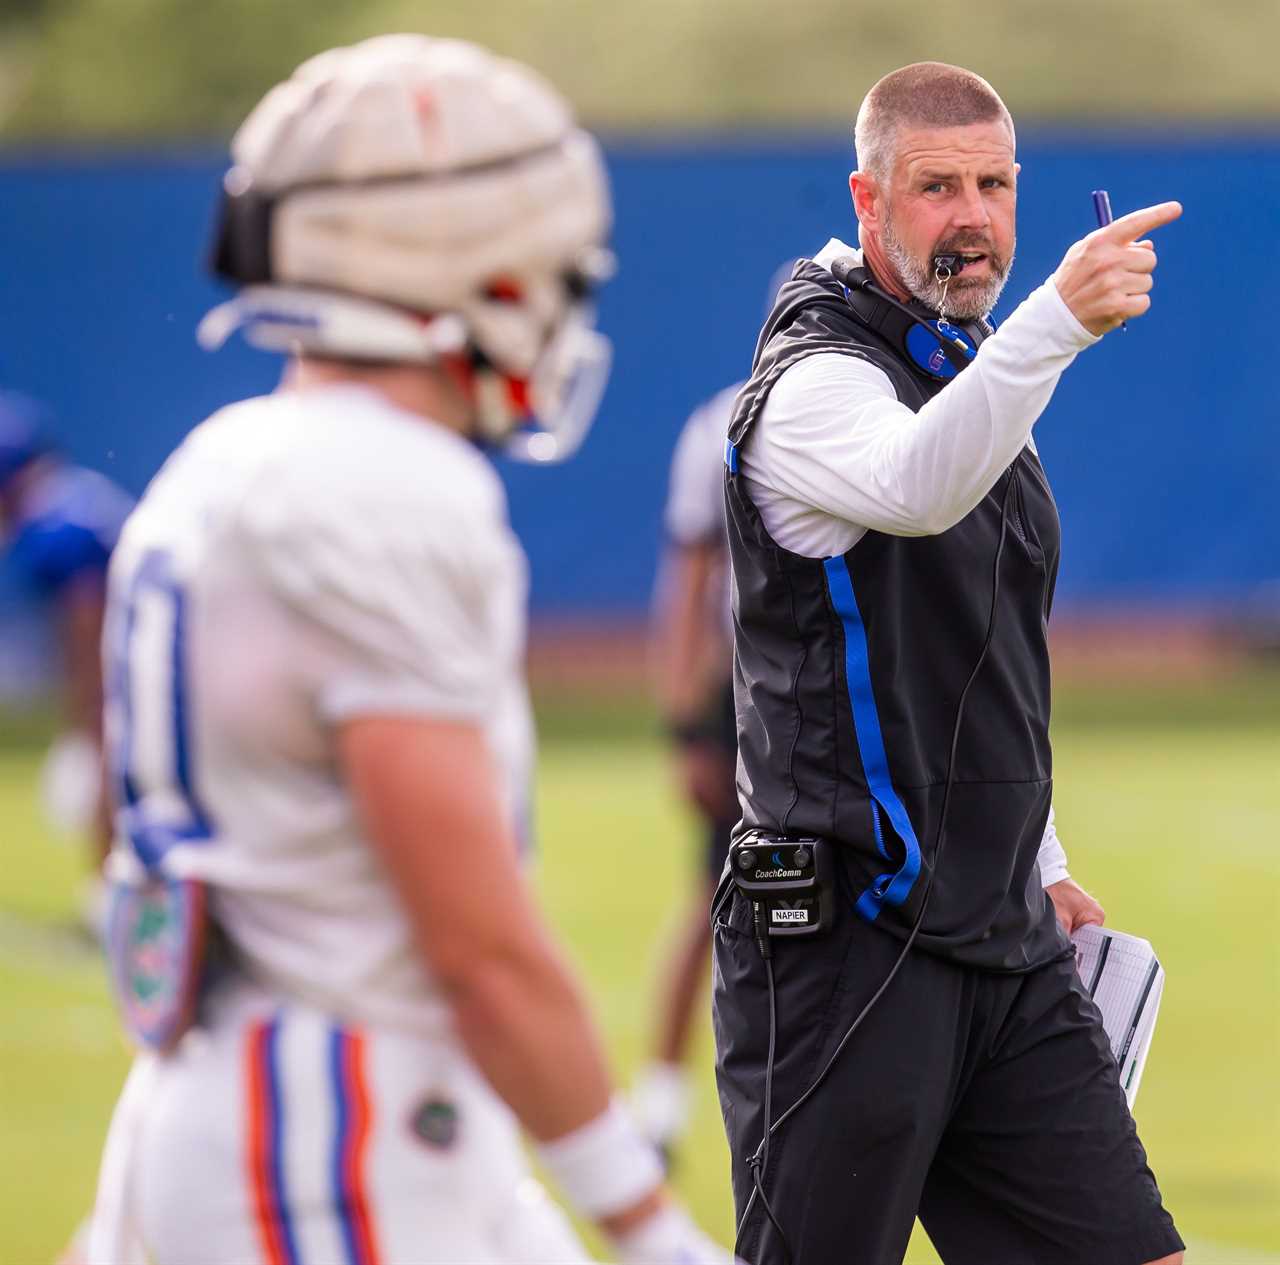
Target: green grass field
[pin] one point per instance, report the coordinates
(1167, 802)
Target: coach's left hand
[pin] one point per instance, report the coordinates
(1074, 906)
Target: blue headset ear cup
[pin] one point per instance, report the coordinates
(926, 352)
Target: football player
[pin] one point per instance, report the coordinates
(58, 525)
(693, 655)
(317, 716)
(693, 636)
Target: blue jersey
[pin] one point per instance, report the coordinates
(66, 529)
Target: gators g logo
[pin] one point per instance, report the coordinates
(155, 941)
(152, 958)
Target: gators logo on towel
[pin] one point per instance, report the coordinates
(156, 933)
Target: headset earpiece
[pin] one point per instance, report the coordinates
(929, 352)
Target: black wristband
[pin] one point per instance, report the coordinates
(689, 733)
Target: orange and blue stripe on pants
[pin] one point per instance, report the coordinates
(348, 1160)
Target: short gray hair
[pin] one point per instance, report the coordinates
(925, 94)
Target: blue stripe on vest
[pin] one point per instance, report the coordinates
(731, 456)
(888, 889)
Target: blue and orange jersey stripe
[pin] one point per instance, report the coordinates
(264, 1159)
(354, 1124)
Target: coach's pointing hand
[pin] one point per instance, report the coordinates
(1106, 278)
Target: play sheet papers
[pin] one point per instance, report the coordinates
(1125, 979)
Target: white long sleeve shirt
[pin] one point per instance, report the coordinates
(836, 454)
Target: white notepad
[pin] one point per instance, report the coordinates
(1125, 979)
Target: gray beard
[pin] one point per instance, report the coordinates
(966, 301)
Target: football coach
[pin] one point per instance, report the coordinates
(901, 1030)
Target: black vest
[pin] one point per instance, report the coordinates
(848, 670)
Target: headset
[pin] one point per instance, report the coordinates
(941, 348)
(788, 881)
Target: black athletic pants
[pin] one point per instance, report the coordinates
(989, 1104)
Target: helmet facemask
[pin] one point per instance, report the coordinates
(539, 407)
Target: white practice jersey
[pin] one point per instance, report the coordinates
(302, 559)
(694, 513)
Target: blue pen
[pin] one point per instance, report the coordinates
(1102, 209)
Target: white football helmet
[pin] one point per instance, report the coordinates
(408, 198)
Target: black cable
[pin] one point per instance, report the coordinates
(945, 341)
(759, 1160)
(725, 897)
(850, 274)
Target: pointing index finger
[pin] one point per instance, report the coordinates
(1129, 227)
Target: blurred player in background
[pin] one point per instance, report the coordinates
(693, 649)
(693, 656)
(318, 720)
(58, 525)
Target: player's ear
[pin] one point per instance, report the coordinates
(865, 192)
